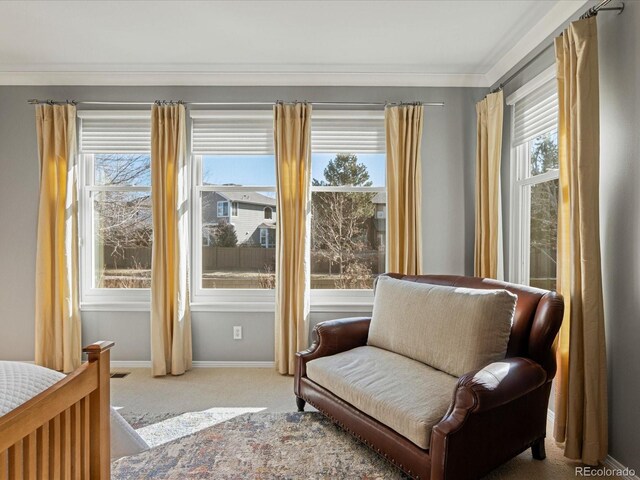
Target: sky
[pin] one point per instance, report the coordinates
(260, 169)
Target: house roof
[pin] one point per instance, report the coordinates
(250, 197)
(380, 197)
(270, 224)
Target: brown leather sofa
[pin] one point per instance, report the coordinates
(483, 427)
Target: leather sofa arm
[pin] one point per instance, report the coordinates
(334, 336)
(500, 382)
(495, 385)
(496, 394)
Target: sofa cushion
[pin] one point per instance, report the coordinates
(405, 395)
(456, 330)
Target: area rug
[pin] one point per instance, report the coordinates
(229, 443)
(157, 429)
(258, 446)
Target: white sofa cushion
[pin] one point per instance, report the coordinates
(456, 330)
(403, 394)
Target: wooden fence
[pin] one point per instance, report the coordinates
(244, 259)
(238, 258)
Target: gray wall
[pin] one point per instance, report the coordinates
(619, 51)
(619, 47)
(448, 153)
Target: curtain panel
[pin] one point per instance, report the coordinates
(403, 125)
(171, 349)
(581, 386)
(292, 140)
(487, 248)
(57, 311)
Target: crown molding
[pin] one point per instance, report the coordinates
(557, 16)
(288, 75)
(121, 77)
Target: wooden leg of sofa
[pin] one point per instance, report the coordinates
(537, 450)
(300, 403)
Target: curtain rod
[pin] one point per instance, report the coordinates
(254, 104)
(592, 12)
(602, 6)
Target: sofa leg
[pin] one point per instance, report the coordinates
(537, 449)
(300, 403)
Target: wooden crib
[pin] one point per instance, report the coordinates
(64, 432)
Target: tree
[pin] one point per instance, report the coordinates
(224, 235)
(544, 155)
(342, 219)
(544, 211)
(124, 217)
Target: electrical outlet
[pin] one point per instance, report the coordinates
(237, 333)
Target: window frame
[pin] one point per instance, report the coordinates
(217, 300)
(347, 298)
(262, 300)
(93, 298)
(220, 299)
(520, 191)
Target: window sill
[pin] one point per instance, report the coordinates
(241, 307)
(115, 307)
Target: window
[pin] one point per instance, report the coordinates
(223, 208)
(535, 183)
(267, 237)
(268, 213)
(348, 199)
(234, 173)
(116, 222)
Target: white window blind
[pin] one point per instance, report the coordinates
(348, 132)
(115, 132)
(536, 113)
(232, 133)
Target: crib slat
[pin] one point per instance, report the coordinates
(15, 461)
(76, 445)
(84, 431)
(29, 457)
(54, 447)
(4, 465)
(65, 447)
(42, 452)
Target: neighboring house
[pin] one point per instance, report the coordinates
(377, 236)
(252, 214)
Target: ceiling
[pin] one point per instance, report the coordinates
(412, 43)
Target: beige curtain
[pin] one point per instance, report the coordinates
(57, 322)
(403, 124)
(487, 250)
(292, 135)
(581, 385)
(170, 315)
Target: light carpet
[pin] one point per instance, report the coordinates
(241, 423)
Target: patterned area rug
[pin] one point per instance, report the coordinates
(255, 446)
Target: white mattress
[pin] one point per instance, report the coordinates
(20, 382)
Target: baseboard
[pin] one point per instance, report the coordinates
(130, 364)
(613, 464)
(610, 462)
(196, 364)
(222, 364)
